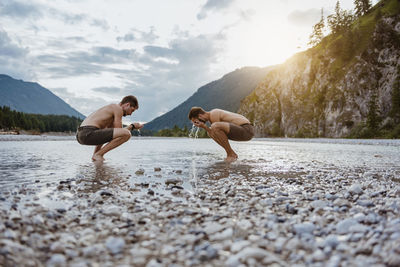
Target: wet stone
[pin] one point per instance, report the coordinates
(139, 171)
(173, 181)
(304, 228)
(115, 244)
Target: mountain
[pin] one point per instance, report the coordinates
(32, 98)
(348, 85)
(225, 93)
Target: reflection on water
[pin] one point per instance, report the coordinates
(191, 160)
(221, 169)
(99, 176)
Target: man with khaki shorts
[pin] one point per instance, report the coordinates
(103, 128)
(224, 125)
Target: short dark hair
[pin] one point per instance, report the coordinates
(195, 112)
(132, 100)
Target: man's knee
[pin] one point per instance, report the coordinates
(127, 134)
(218, 126)
(122, 133)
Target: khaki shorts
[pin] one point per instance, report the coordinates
(91, 135)
(242, 132)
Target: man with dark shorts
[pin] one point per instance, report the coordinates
(103, 128)
(224, 125)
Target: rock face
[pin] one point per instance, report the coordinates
(333, 88)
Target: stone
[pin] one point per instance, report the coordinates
(173, 181)
(139, 171)
(355, 189)
(112, 211)
(343, 227)
(247, 253)
(57, 260)
(226, 234)
(115, 244)
(239, 245)
(318, 204)
(212, 227)
(331, 241)
(304, 228)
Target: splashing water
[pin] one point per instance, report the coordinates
(139, 134)
(194, 132)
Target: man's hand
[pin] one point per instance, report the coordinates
(134, 126)
(200, 124)
(138, 125)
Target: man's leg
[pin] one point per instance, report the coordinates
(219, 132)
(96, 149)
(120, 136)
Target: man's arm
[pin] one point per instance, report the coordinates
(118, 113)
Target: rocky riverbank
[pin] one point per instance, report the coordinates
(233, 216)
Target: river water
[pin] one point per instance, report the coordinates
(174, 201)
(30, 159)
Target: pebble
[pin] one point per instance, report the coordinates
(304, 228)
(139, 171)
(356, 189)
(225, 217)
(173, 181)
(112, 211)
(115, 244)
(57, 260)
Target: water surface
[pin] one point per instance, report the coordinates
(47, 161)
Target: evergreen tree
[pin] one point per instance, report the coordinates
(318, 31)
(362, 7)
(341, 20)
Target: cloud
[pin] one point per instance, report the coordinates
(212, 6)
(139, 36)
(76, 63)
(8, 48)
(19, 10)
(13, 58)
(165, 84)
(127, 37)
(108, 90)
(246, 15)
(101, 23)
(305, 18)
(84, 105)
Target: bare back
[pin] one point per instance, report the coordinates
(109, 116)
(220, 115)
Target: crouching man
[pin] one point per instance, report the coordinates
(103, 128)
(224, 125)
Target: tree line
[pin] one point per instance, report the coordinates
(340, 21)
(181, 132)
(15, 120)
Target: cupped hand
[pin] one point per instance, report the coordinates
(138, 125)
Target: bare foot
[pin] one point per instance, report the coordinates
(231, 158)
(97, 157)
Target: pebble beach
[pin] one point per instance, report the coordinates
(284, 203)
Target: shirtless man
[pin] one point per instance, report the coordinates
(105, 126)
(224, 125)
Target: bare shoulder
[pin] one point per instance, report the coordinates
(115, 108)
(215, 114)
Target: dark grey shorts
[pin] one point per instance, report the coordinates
(91, 135)
(242, 132)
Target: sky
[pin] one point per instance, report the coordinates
(94, 52)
